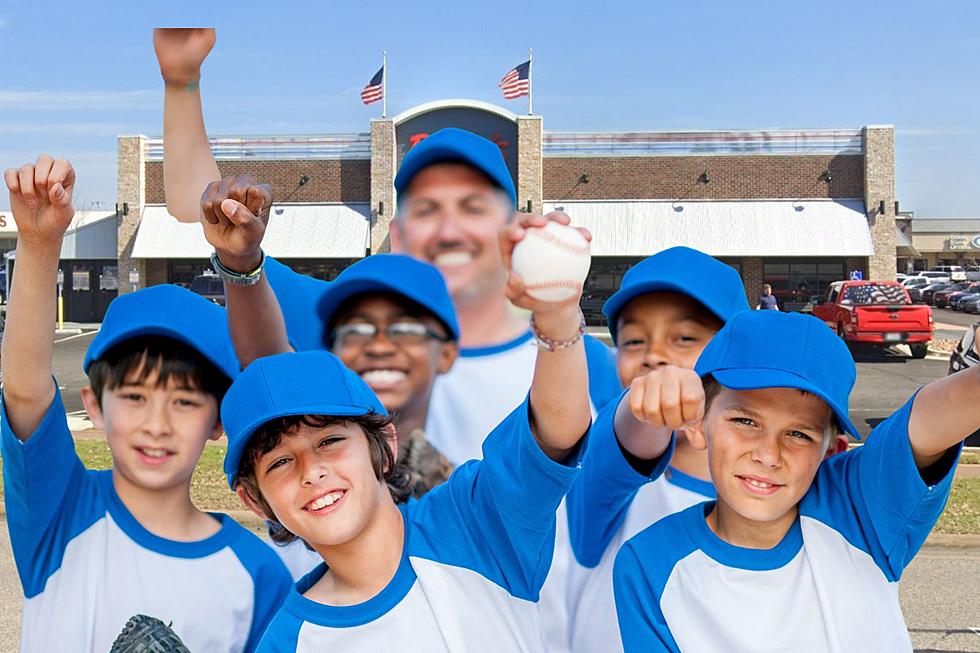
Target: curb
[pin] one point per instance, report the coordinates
(67, 332)
(953, 541)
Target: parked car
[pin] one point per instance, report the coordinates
(973, 273)
(966, 300)
(929, 292)
(941, 298)
(914, 281)
(210, 287)
(877, 313)
(971, 305)
(901, 277)
(957, 297)
(955, 272)
(964, 356)
(935, 275)
(915, 294)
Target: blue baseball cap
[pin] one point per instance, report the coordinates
(296, 383)
(173, 312)
(461, 146)
(403, 275)
(771, 349)
(684, 270)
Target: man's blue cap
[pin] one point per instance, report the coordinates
(173, 312)
(684, 270)
(395, 273)
(296, 383)
(460, 146)
(771, 349)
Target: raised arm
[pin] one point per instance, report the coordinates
(657, 403)
(40, 200)
(560, 413)
(188, 165)
(943, 414)
(236, 212)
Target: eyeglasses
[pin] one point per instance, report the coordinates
(358, 334)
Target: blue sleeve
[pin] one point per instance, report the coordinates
(875, 495)
(282, 635)
(271, 581)
(642, 625)
(601, 496)
(299, 299)
(49, 496)
(496, 516)
(603, 378)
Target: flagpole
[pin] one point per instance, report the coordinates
(530, 86)
(384, 84)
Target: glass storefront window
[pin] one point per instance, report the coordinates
(796, 284)
(109, 279)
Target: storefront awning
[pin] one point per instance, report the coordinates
(724, 228)
(903, 244)
(295, 231)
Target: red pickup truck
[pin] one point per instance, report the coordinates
(877, 313)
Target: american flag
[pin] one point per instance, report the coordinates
(516, 82)
(374, 89)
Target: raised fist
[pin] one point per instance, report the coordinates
(235, 212)
(181, 51)
(668, 396)
(40, 199)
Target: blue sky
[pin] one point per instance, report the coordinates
(74, 75)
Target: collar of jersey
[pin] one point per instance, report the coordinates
(348, 616)
(736, 556)
(138, 533)
(684, 481)
(476, 352)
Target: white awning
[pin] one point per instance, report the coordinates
(295, 231)
(724, 228)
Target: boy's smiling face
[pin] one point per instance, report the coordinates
(320, 483)
(156, 433)
(401, 372)
(764, 448)
(661, 328)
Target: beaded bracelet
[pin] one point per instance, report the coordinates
(550, 344)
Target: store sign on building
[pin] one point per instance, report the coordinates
(492, 126)
(976, 242)
(959, 242)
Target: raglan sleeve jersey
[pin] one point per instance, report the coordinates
(86, 564)
(477, 551)
(829, 585)
(600, 498)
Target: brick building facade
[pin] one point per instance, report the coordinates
(817, 205)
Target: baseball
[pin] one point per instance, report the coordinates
(553, 261)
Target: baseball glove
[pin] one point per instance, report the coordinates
(143, 634)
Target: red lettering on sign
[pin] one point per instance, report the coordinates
(415, 139)
(501, 143)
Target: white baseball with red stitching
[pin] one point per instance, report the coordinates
(553, 261)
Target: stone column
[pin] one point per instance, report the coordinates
(382, 182)
(879, 186)
(530, 168)
(130, 200)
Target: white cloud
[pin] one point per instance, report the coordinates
(79, 100)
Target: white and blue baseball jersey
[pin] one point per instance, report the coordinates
(86, 565)
(483, 386)
(831, 584)
(609, 503)
(476, 552)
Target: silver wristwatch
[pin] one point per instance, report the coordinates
(249, 278)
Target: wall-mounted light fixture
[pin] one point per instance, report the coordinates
(583, 178)
(703, 178)
(826, 176)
